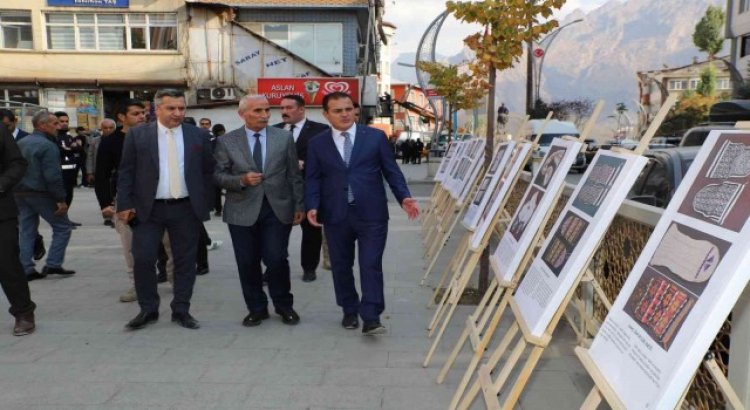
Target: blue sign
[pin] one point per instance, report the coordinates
(89, 3)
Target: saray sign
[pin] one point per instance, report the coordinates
(311, 89)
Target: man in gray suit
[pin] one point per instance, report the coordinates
(258, 167)
(165, 183)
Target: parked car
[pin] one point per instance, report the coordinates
(554, 129)
(662, 175)
(696, 136)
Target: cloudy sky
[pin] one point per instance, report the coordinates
(413, 16)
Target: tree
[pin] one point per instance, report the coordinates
(564, 110)
(707, 85)
(707, 35)
(462, 91)
(508, 25)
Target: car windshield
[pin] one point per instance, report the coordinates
(695, 138)
(652, 186)
(546, 139)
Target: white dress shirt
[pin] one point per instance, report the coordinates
(162, 189)
(297, 128)
(15, 134)
(339, 140)
(251, 141)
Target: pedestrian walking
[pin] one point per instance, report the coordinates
(303, 130)
(12, 277)
(41, 193)
(164, 184)
(258, 167)
(344, 190)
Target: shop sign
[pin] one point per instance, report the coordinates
(311, 89)
(89, 3)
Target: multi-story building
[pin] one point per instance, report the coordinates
(738, 32)
(656, 85)
(261, 46)
(85, 56)
(411, 109)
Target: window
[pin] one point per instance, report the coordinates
(744, 5)
(723, 84)
(320, 44)
(694, 83)
(677, 85)
(107, 32)
(15, 29)
(17, 96)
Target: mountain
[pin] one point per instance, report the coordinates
(598, 58)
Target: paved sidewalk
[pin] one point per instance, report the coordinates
(81, 358)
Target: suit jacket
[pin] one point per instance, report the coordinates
(328, 177)
(138, 175)
(309, 130)
(21, 134)
(282, 182)
(12, 168)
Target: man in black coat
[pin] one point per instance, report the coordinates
(12, 278)
(303, 130)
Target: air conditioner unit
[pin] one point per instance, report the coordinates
(223, 94)
(204, 93)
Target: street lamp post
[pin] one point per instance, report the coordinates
(540, 52)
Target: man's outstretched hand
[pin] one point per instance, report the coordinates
(410, 206)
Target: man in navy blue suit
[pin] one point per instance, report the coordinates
(344, 190)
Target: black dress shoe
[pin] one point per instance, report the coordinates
(143, 319)
(288, 316)
(161, 277)
(202, 270)
(35, 275)
(255, 318)
(373, 328)
(350, 322)
(309, 276)
(39, 249)
(108, 222)
(185, 320)
(47, 270)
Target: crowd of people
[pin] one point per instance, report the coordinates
(157, 181)
(411, 151)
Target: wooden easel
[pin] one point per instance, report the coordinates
(602, 391)
(452, 295)
(492, 389)
(433, 256)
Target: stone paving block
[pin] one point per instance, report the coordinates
(245, 357)
(117, 354)
(58, 393)
(379, 377)
(143, 373)
(337, 396)
(269, 374)
(142, 395)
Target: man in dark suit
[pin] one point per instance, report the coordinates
(303, 130)
(258, 167)
(14, 283)
(165, 183)
(11, 123)
(344, 190)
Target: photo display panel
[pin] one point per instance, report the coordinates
(464, 184)
(536, 203)
(457, 159)
(575, 236)
(445, 163)
(685, 282)
(465, 169)
(487, 186)
(502, 189)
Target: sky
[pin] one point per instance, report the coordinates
(411, 17)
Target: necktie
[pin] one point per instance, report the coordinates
(347, 156)
(174, 165)
(258, 152)
(291, 129)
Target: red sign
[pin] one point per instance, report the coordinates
(312, 89)
(538, 53)
(431, 93)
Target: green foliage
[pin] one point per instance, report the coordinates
(463, 91)
(707, 85)
(508, 25)
(708, 36)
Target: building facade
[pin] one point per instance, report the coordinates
(85, 57)
(656, 85)
(738, 32)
